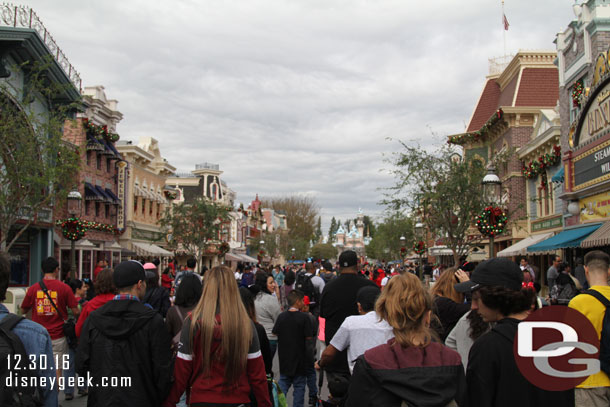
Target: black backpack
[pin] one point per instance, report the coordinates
(15, 366)
(305, 285)
(604, 351)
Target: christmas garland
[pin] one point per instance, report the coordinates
(100, 132)
(577, 92)
(72, 228)
(543, 162)
(473, 137)
(224, 248)
(492, 221)
(419, 247)
(102, 227)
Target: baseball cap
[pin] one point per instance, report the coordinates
(493, 272)
(348, 258)
(128, 273)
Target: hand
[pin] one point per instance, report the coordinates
(316, 365)
(461, 276)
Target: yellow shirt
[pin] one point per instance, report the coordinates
(594, 310)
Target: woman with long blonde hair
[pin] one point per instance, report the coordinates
(413, 367)
(449, 305)
(219, 359)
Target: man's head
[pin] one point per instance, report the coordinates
(191, 263)
(50, 266)
(523, 261)
(130, 278)
(295, 299)
(156, 262)
(556, 261)
(348, 261)
(496, 286)
(366, 298)
(5, 275)
(309, 268)
(596, 266)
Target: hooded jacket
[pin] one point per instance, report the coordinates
(125, 338)
(494, 378)
(390, 374)
(89, 307)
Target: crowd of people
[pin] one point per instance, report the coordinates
(380, 335)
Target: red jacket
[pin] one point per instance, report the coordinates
(91, 306)
(166, 281)
(209, 388)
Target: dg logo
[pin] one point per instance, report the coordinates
(557, 348)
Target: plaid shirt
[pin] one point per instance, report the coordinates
(126, 297)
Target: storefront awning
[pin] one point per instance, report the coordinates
(558, 177)
(520, 248)
(565, 239)
(147, 249)
(233, 257)
(103, 193)
(248, 259)
(113, 196)
(92, 194)
(599, 238)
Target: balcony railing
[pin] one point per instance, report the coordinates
(207, 166)
(25, 17)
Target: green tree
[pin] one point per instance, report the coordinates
(332, 229)
(445, 193)
(195, 226)
(318, 233)
(324, 251)
(369, 225)
(386, 245)
(37, 168)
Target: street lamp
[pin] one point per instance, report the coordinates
(75, 202)
(492, 189)
(293, 250)
(419, 233)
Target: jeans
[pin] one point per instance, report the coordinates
(71, 373)
(311, 383)
(182, 402)
(298, 395)
(272, 347)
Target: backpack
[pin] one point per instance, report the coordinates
(604, 351)
(247, 279)
(305, 285)
(566, 293)
(15, 365)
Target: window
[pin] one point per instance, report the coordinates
(106, 210)
(99, 161)
(576, 89)
(87, 207)
(108, 166)
(89, 158)
(97, 209)
(150, 208)
(135, 204)
(143, 206)
(159, 210)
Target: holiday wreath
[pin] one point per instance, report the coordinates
(492, 221)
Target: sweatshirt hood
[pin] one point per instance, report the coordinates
(119, 319)
(419, 376)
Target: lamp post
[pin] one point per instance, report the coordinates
(419, 233)
(403, 249)
(492, 188)
(75, 201)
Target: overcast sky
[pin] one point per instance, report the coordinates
(295, 96)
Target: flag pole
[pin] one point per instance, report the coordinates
(503, 29)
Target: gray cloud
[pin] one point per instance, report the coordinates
(294, 96)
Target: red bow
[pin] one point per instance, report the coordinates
(529, 285)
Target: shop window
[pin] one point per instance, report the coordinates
(97, 209)
(19, 256)
(87, 264)
(87, 207)
(99, 161)
(107, 210)
(108, 166)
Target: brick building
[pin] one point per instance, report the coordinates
(94, 134)
(503, 123)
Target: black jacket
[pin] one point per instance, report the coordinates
(158, 298)
(389, 375)
(125, 338)
(449, 313)
(494, 378)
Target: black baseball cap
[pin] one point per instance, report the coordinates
(348, 258)
(493, 272)
(128, 273)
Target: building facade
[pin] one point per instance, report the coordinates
(143, 177)
(584, 76)
(503, 124)
(23, 40)
(94, 134)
